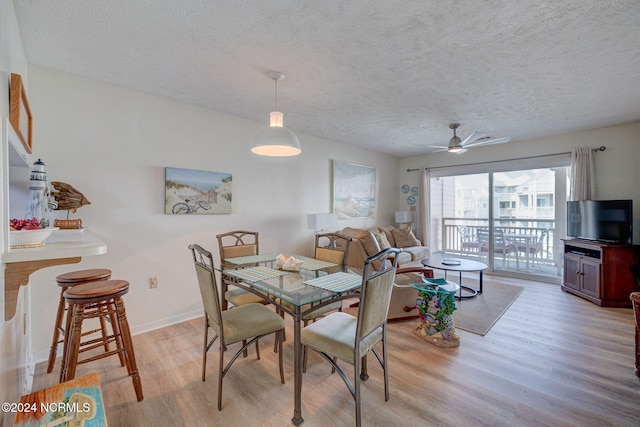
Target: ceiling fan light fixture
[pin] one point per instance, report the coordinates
(456, 148)
(455, 141)
(276, 140)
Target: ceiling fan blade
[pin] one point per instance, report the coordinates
(475, 135)
(489, 142)
(439, 148)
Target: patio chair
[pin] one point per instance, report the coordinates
(500, 246)
(533, 250)
(467, 242)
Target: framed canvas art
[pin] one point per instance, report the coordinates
(197, 192)
(354, 190)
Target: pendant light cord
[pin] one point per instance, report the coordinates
(276, 80)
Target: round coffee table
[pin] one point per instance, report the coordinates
(461, 266)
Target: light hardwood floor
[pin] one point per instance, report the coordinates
(553, 359)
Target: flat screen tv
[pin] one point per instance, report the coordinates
(607, 221)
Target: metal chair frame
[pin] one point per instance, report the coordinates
(368, 322)
(213, 318)
(234, 240)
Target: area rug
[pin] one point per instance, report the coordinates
(480, 313)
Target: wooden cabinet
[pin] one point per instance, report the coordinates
(599, 272)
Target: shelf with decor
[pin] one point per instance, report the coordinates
(63, 247)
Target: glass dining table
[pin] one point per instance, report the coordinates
(297, 293)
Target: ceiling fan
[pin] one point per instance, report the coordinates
(459, 146)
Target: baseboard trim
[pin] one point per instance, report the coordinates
(43, 355)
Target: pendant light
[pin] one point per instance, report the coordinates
(276, 140)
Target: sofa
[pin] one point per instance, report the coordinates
(368, 242)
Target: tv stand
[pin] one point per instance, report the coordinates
(599, 272)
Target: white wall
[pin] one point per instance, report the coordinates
(113, 144)
(616, 169)
(14, 350)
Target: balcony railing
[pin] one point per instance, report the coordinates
(455, 232)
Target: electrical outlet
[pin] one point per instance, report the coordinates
(153, 282)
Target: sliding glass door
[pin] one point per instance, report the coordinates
(511, 219)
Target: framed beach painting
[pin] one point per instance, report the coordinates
(197, 192)
(354, 190)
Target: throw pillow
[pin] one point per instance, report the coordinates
(388, 232)
(354, 233)
(369, 243)
(381, 238)
(405, 238)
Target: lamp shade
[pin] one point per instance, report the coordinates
(404, 217)
(276, 140)
(322, 221)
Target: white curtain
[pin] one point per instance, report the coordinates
(582, 179)
(424, 211)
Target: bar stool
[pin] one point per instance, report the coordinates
(66, 281)
(91, 300)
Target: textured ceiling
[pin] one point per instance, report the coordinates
(387, 75)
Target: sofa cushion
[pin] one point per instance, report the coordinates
(404, 237)
(418, 253)
(381, 238)
(404, 257)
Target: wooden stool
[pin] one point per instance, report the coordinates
(66, 281)
(91, 300)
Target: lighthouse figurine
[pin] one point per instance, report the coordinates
(38, 206)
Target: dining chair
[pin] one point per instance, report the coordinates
(333, 247)
(349, 338)
(232, 244)
(330, 247)
(246, 323)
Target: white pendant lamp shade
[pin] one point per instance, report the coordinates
(276, 140)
